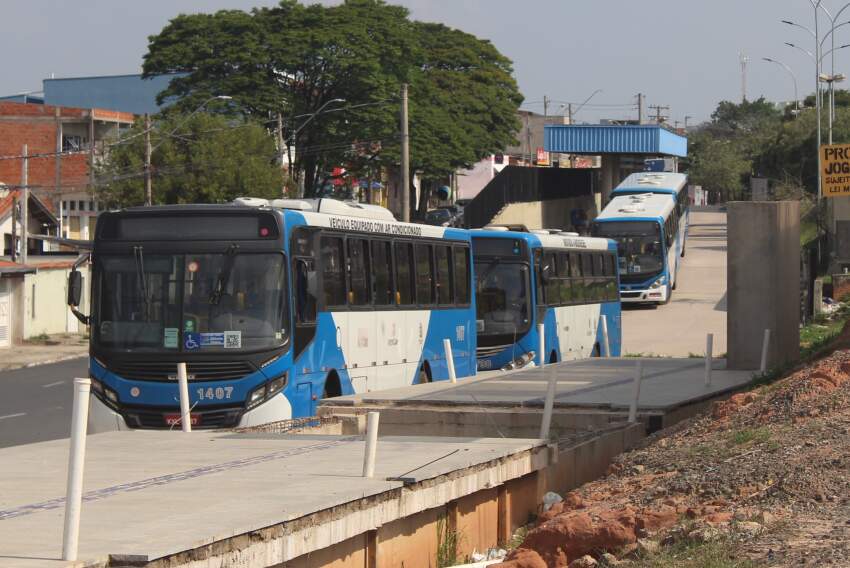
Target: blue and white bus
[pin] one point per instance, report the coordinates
(273, 306)
(566, 282)
(663, 183)
(650, 243)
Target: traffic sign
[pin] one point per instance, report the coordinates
(835, 172)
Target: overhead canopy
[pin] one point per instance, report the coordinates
(595, 139)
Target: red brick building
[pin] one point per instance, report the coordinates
(63, 142)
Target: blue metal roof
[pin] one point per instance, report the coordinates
(610, 139)
(126, 93)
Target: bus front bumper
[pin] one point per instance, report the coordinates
(640, 296)
(104, 419)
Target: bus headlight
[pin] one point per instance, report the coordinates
(520, 362)
(104, 393)
(266, 390)
(659, 283)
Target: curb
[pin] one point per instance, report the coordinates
(45, 362)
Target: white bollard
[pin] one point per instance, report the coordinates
(183, 387)
(549, 403)
(636, 392)
(450, 360)
(709, 346)
(371, 444)
(764, 346)
(541, 335)
(76, 462)
(605, 343)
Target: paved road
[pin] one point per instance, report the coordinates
(699, 301)
(36, 402)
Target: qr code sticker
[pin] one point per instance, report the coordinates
(232, 339)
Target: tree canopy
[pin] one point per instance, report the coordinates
(203, 158)
(297, 60)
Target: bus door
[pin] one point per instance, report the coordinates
(361, 341)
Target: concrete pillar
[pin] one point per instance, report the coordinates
(608, 177)
(763, 282)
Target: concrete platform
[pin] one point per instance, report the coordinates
(590, 394)
(262, 498)
(589, 383)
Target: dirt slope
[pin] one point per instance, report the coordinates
(767, 472)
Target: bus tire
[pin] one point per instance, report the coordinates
(424, 375)
(332, 387)
(683, 249)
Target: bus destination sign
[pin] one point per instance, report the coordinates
(835, 172)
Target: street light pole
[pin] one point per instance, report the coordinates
(793, 77)
(405, 158)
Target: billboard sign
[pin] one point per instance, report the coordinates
(835, 170)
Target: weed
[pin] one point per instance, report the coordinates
(447, 541)
(690, 554)
(748, 435)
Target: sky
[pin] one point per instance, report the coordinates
(679, 53)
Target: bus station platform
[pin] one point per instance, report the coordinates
(258, 499)
(589, 393)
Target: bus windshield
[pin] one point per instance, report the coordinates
(502, 302)
(639, 247)
(187, 302)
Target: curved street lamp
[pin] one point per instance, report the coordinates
(793, 77)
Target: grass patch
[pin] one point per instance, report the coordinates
(447, 543)
(748, 436)
(688, 554)
(645, 356)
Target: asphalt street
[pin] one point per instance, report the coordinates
(36, 402)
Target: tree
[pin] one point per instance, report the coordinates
(208, 159)
(718, 165)
(294, 60)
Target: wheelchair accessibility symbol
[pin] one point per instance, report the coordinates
(191, 341)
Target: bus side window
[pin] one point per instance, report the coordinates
(381, 269)
(461, 262)
(576, 279)
(424, 275)
(333, 271)
(538, 276)
(553, 291)
(404, 273)
(611, 282)
(358, 271)
(601, 280)
(306, 293)
(442, 254)
(564, 277)
(587, 272)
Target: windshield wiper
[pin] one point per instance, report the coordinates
(139, 254)
(224, 274)
(490, 267)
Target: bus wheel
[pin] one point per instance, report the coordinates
(424, 376)
(332, 386)
(684, 244)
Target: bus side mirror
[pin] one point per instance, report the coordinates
(75, 288)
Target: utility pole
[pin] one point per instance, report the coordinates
(658, 108)
(280, 150)
(744, 59)
(687, 117)
(57, 162)
(545, 107)
(570, 113)
(148, 194)
(14, 252)
(405, 158)
(640, 108)
(25, 198)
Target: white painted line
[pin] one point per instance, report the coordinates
(56, 384)
(13, 415)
